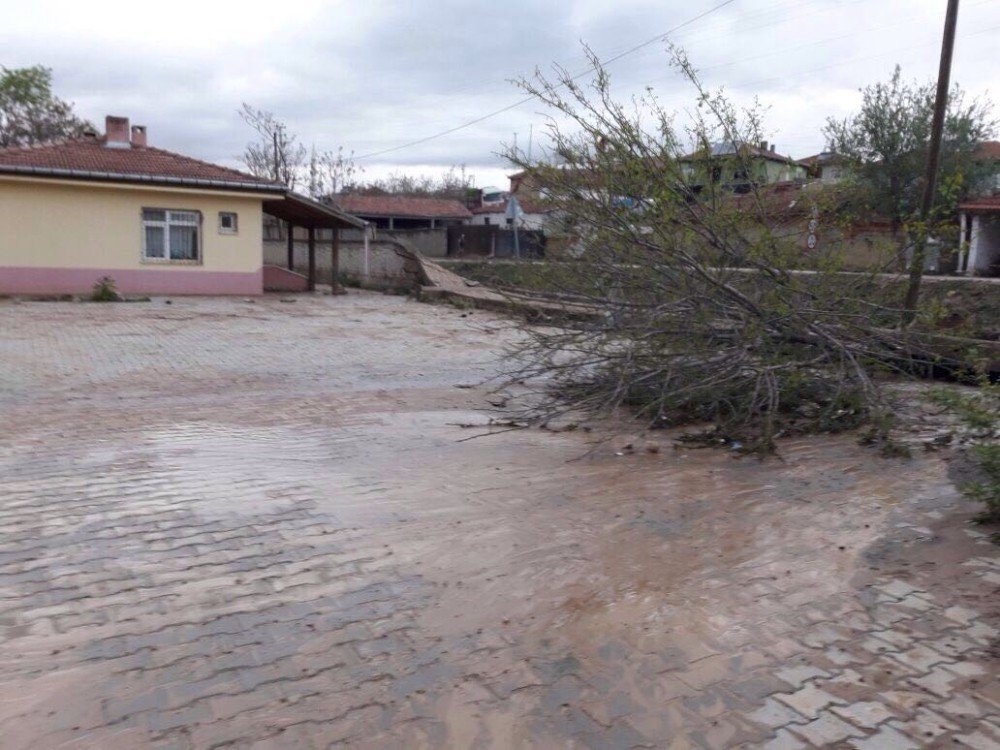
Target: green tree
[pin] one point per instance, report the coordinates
(29, 111)
(456, 183)
(885, 144)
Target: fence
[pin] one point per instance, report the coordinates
(494, 242)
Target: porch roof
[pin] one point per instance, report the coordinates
(301, 211)
(986, 205)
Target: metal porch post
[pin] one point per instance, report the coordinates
(312, 259)
(335, 263)
(291, 246)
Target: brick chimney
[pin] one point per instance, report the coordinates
(139, 135)
(116, 132)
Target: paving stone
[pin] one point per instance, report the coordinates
(917, 602)
(840, 656)
(897, 588)
(967, 669)
(809, 700)
(827, 729)
(774, 714)
(705, 672)
(925, 725)
(962, 706)
(977, 741)
(784, 740)
(963, 615)
(865, 714)
(754, 690)
(921, 658)
(981, 633)
(938, 681)
(886, 738)
(896, 638)
(798, 675)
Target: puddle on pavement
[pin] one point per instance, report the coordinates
(215, 469)
(527, 527)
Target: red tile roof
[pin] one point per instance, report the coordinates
(988, 150)
(91, 159)
(402, 206)
(989, 203)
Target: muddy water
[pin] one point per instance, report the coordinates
(269, 528)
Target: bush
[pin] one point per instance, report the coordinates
(980, 413)
(104, 291)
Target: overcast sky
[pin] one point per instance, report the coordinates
(372, 75)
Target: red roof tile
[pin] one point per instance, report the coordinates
(402, 206)
(93, 160)
(989, 203)
(988, 151)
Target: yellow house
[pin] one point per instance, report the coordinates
(156, 222)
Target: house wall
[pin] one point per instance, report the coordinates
(528, 221)
(779, 172)
(498, 219)
(59, 237)
(763, 170)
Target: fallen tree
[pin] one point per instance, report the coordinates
(682, 333)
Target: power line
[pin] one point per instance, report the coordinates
(661, 37)
(861, 58)
(489, 115)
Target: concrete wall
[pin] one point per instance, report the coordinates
(59, 237)
(385, 267)
(432, 243)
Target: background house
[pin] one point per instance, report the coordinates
(532, 214)
(826, 166)
(737, 167)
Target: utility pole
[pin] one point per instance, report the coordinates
(933, 154)
(277, 163)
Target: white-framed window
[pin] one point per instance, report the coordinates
(170, 234)
(228, 222)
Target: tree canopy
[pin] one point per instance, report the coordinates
(30, 113)
(885, 145)
(684, 306)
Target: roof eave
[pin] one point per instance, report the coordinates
(142, 179)
(376, 215)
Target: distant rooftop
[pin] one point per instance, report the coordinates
(385, 206)
(762, 151)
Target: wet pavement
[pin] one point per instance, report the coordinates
(231, 525)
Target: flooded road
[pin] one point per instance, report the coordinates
(233, 524)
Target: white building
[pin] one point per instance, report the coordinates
(979, 220)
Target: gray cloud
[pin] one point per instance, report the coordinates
(373, 75)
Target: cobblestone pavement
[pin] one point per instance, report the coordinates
(235, 525)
